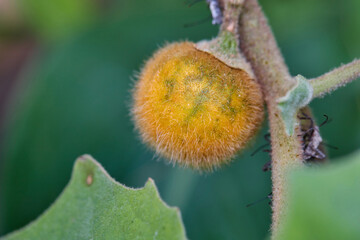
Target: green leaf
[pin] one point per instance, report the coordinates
(324, 202)
(94, 206)
(297, 97)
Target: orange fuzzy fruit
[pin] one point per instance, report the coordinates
(193, 109)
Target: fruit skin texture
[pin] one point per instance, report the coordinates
(193, 109)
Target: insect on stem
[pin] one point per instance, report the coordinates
(269, 196)
(312, 140)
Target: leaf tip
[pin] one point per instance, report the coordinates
(85, 157)
(150, 182)
(150, 185)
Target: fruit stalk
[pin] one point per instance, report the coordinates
(260, 48)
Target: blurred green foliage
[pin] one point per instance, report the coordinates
(324, 202)
(74, 98)
(56, 19)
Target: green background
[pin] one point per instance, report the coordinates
(74, 95)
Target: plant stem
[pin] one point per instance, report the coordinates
(335, 78)
(260, 48)
(232, 10)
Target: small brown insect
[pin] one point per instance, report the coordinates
(312, 140)
(267, 166)
(269, 196)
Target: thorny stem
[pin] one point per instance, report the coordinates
(335, 78)
(261, 50)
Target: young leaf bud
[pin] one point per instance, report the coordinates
(194, 109)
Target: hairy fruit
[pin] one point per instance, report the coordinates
(193, 109)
